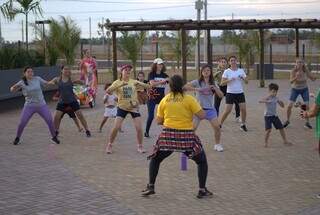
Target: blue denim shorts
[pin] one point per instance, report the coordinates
(296, 92)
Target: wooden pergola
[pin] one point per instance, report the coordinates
(234, 24)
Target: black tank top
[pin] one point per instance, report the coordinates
(66, 91)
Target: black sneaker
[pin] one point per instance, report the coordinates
(148, 191)
(286, 124)
(146, 134)
(204, 194)
(57, 133)
(244, 128)
(16, 141)
(55, 140)
(88, 133)
(307, 125)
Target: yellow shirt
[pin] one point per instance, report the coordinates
(127, 95)
(178, 111)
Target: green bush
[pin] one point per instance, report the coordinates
(12, 57)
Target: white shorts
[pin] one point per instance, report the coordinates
(110, 112)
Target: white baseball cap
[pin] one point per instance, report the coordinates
(158, 61)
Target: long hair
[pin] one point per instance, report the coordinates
(154, 69)
(201, 78)
(304, 68)
(176, 85)
(24, 78)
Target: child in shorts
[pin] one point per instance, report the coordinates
(270, 114)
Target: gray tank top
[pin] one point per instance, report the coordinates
(66, 91)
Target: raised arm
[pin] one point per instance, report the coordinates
(217, 91)
(281, 103)
(16, 87)
(53, 81)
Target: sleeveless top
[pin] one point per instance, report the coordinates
(66, 91)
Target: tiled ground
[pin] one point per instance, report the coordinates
(77, 177)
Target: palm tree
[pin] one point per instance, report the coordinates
(64, 36)
(11, 8)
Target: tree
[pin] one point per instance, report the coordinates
(129, 45)
(11, 8)
(64, 36)
(176, 46)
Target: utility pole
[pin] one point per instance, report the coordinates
(0, 34)
(90, 40)
(199, 7)
(205, 35)
(43, 22)
(22, 31)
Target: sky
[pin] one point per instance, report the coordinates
(135, 10)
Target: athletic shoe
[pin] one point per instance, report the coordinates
(57, 133)
(88, 133)
(146, 134)
(307, 125)
(204, 194)
(318, 196)
(148, 191)
(55, 140)
(238, 120)
(140, 149)
(218, 147)
(109, 149)
(16, 141)
(286, 124)
(243, 127)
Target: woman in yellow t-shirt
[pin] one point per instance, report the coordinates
(175, 113)
(126, 90)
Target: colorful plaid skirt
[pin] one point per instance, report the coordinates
(178, 140)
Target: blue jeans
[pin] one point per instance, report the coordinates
(151, 106)
(303, 92)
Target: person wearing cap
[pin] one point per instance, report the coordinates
(126, 90)
(157, 78)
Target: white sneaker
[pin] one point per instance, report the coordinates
(218, 147)
(238, 119)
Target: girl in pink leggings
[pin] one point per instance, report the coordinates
(30, 86)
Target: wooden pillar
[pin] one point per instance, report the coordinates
(209, 48)
(261, 66)
(297, 42)
(303, 51)
(270, 53)
(184, 54)
(114, 55)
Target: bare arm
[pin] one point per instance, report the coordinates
(311, 76)
(14, 88)
(54, 81)
(281, 104)
(217, 91)
(225, 81)
(312, 112)
(189, 87)
(201, 114)
(156, 83)
(78, 82)
(160, 120)
(146, 86)
(293, 77)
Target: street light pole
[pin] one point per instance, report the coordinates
(43, 22)
(199, 7)
(205, 35)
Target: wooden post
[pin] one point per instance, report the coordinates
(303, 51)
(209, 48)
(184, 54)
(297, 42)
(114, 55)
(261, 75)
(270, 53)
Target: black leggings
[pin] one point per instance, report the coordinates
(217, 101)
(200, 159)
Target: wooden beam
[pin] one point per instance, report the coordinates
(209, 49)
(184, 54)
(114, 55)
(261, 66)
(297, 42)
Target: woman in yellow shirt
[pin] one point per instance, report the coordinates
(175, 113)
(126, 90)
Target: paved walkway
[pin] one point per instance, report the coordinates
(77, 177)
